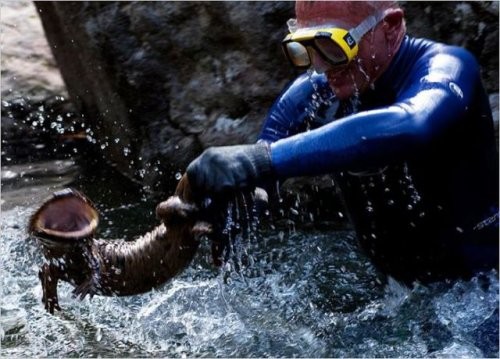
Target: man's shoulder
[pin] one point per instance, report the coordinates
(426, 48)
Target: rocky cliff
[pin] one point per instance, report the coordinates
(160, 81)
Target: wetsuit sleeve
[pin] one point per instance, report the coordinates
(308, 96)
(438, 92)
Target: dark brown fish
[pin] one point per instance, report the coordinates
(65, 225)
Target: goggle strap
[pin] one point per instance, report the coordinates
(366, 25)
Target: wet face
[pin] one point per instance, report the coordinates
(374, 49)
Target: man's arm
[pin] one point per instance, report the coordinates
(438, 95)
(308, 96)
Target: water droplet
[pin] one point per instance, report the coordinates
(98, 335)
(456, 90)
(294, 211)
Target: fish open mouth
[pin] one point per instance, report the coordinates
(67, 216)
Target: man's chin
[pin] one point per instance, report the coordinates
(342, 92)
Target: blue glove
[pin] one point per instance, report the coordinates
(230, 168)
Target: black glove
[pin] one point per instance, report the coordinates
(221, 169)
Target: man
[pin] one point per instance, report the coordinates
(403, 123)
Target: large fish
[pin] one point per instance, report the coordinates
(65, 226)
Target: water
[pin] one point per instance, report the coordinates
(306, 294)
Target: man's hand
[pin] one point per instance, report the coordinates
(221, 169)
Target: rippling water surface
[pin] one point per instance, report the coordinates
(306, 294)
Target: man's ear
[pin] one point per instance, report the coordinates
(393, 23)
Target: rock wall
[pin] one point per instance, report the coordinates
(157, 82)
(160, 81)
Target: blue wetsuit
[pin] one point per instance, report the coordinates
(415, 159)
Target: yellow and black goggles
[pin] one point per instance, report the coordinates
(335, 45)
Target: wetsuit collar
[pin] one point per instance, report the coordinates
(395, 73)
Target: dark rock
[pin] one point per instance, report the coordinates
(160, 81)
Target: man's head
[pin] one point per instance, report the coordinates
(375, 48)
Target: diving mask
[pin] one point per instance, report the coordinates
(335, 45)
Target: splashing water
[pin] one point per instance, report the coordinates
(306, 294)
(359, 63)
(323, 105)
(354, 99)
